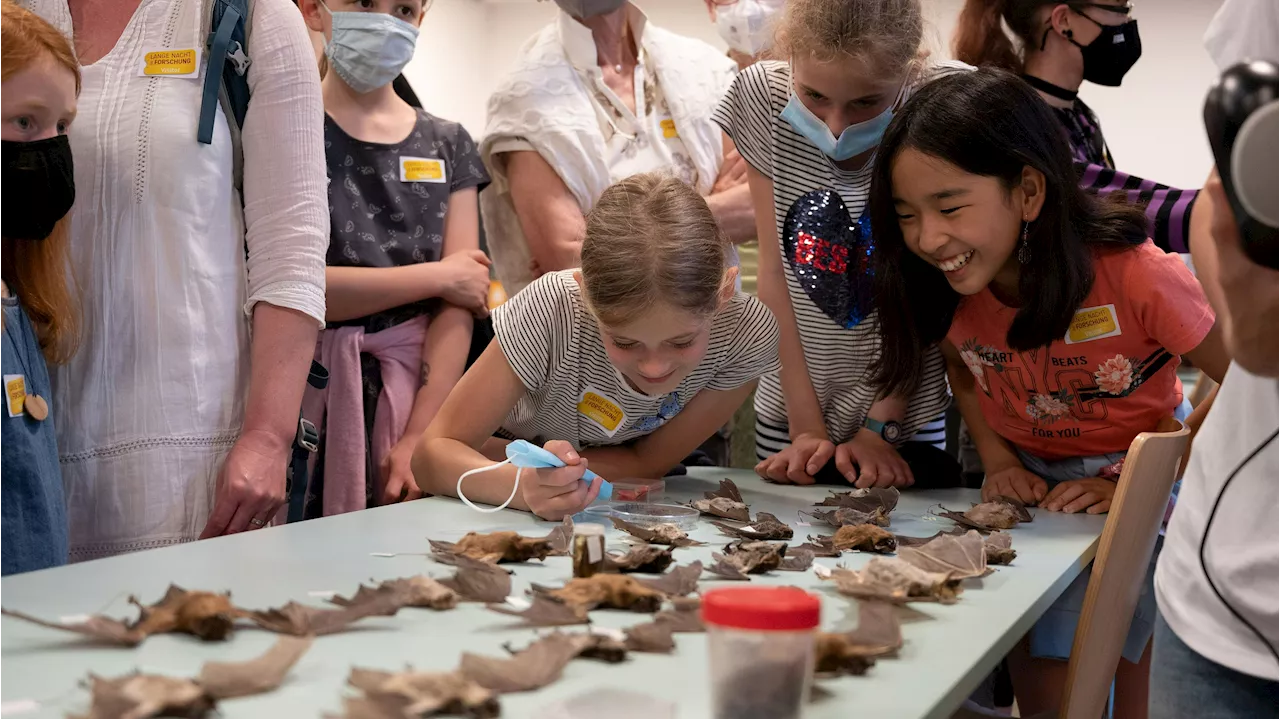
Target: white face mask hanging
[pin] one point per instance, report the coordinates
(525, 456)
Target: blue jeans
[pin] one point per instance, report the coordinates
(1185, 684)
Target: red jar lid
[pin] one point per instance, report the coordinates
(763, 608)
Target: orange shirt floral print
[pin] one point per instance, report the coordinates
(1114, 373)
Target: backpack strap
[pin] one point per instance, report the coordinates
(226, 82)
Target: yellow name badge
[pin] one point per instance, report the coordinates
(421, 169)
(15, 392)
(669, 129)
(171, 63)
(1093, 323)
(601, 410)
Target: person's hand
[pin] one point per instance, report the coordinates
(1016, 483)
(799, 461)
(733, 172)
(1092, 495)
(555, 492)
(250, 484)
(869, 461)
(399, 484)
(468, 281)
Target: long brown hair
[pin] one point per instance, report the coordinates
(980, 39)
(39, 272)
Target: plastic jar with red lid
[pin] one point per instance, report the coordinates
(760, 641)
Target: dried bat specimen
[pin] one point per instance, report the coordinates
(906, 541)
(863, 538)
(896, 581)
(878, 634)
(999, 513)
(645, 559)
(723, 507)
(798, 560)
(479, 581)
(421, 591)
(684, 617)
(206, 615)
(728, 490)
(958, 557)
(534, 667)
(657, 636)
(651, 638)
(679, 582)
(657, 534)
(545, 611)
(864, 500)
(999, 548)
(301, 620)
(561, 538)
(821, 546)
(845, 517)
(397, 695)
(589, 645)
(742, 558)
(497, 547)
(606, 591)
(765, 527)
(138, 696)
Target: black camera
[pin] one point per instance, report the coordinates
(1241, 116)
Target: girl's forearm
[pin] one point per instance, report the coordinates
(444, 358)
(438, 462)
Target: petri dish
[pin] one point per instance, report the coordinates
(646, 514)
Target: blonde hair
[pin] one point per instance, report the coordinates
(886, 35)
(651, 239)
(39, 272)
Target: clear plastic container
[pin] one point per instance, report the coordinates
(760, 641)
(646, 514)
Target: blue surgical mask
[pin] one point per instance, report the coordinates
(854, 140)
(369, 49)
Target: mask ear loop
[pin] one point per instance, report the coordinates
(489, 510)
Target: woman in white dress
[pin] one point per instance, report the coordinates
(173, 424)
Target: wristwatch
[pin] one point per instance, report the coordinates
(890, 431)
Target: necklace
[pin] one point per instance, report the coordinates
(1051, 89)
(34, 405)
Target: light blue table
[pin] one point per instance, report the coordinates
(947, 652)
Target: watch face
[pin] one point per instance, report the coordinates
(892, 431)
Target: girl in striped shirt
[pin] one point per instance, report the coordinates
(851, 65)
(627, 364)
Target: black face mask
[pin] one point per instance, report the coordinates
(39, 186)
(1111, 54)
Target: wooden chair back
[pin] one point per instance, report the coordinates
(1120, 567)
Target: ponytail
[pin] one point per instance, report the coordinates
(980, 38)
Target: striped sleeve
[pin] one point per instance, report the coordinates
(534, 327)
(746, 115)
(753, 350)
(1168, 209)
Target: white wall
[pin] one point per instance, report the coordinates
(1153, 123)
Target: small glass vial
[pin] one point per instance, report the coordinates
(588, 549)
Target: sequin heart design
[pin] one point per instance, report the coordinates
(830, 255)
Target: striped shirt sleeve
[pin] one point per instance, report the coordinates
(534, 327)
(1168, 209)
(746, 115)
(754, 349)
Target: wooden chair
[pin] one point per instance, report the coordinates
(1119, 570)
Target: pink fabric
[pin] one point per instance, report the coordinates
(339, 409)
